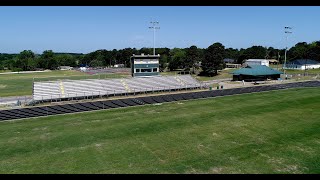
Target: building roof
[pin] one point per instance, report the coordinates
(256, 60)
(144, 55)
(303, 62)
(228, 60)
(256, 70)
(272, 60)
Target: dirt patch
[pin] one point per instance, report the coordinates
(40, 129)
(215, 134)
(150, 112)
(317, 141)
(98, 145)
(162, 161)
(44, 136)
(216, 170)
(305, 150)
(2, 86)
(13, 140)
(277, 161)
(157, 104)
(294, 169)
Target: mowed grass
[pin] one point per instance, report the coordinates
(270, 132)
(223, 74)
(295, 71)
(21, 84)
(309, 71)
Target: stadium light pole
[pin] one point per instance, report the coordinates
(285, 52)
(154, 27)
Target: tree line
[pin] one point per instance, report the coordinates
(189, 59)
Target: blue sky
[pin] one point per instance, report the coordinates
(84, 29)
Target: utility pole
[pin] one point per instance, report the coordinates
(285, 52)
(154, 27)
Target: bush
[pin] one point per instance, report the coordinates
(17, 69)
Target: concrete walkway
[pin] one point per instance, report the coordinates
(14, 99)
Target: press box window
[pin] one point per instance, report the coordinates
(155, 69)
(137, 70)
(145, 70)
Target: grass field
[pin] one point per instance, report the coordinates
(270, 132)
(292, 71)
(21, 84)
(3, 71)
(310, 71)
(223, 74)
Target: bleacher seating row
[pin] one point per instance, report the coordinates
(101, 87)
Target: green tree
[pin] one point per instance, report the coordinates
(96, 63)
(145, 50)
(299, 51)
(192, 58)
(99, 61)
(48, 61)
(26, 60)
(123, 56)
(213, 59)
(313, 51)
(231, 53)
(255, 52)
(66, 60)
(177, 59)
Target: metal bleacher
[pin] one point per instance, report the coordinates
(51, 90)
